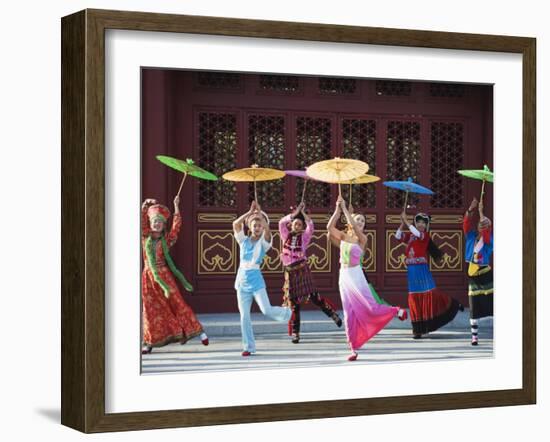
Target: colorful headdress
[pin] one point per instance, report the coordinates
(162, 212)
(423, 217)
(158, 211)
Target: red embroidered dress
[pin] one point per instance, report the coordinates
(165, 319)
(430, 307)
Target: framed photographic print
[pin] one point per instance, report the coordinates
(267, 221)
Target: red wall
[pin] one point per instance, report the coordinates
(171, 100)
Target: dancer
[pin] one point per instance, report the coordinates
(363, 316)
(479, 248)
(166, 316)
(430, 308)
(250, 284)
(299, 287)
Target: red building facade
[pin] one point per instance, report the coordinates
(402, 129)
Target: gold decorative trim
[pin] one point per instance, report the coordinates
(369, 264)
(318, 262)
(436, 219)
(216, 217)
(319, 217)
(449, 263)
(273, 264)
(394, 264)
(218, 265)
(447, 219)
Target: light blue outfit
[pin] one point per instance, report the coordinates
(250, 285)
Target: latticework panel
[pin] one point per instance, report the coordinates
(337, 86)
(280, 83)
(266, 147)
(219, 80)
(403, 159)
(313, 143)
(447, 90)
(447, 157)
(359, 138)
(218, 154)
(392, 88)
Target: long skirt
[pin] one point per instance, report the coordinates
(363, 316)
(480, 293)
(298, 286)
(165, 320)
(430, 307)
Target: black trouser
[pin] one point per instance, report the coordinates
(315, 298)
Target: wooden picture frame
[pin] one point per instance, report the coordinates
(83, 219)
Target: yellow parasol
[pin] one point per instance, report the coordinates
(254, 173)
(337, 171)
(364, 179)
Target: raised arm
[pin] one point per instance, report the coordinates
(360, 235)
(467, 223)
(310, 227)
(333, 232)
(486, 232)
(176, 223)
(401, 234)
(238, 224)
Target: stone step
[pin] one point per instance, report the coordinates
(228, 324)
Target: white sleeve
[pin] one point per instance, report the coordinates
(239, 236)
(267, 244)
(398, 234)
(415, 231)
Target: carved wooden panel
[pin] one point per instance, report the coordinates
(447, 156)
(449, 241)
(266, 147)
(369, 259)
(217, 142)
(403, 159)
(217, 252)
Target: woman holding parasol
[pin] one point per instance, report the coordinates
(249, 283)
(166, 316)
(364, 317)
(478, 251)
(296, 230)
(430, 308)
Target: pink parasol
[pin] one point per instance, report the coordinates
(300, 174)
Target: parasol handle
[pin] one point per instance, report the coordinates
(482, 191)
(255, 192)
(406, 199)
(182, 181)
(339, 190)
(350, 188)
(304, 190)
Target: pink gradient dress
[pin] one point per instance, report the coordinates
(363, 316)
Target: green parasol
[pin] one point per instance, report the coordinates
(484, 175)
(187, 167)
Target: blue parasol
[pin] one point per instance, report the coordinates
(408, 186)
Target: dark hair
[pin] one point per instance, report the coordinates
(299, 216)
(434, 251)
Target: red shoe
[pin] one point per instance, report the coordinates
(402, 315)
(352, 357)
(246, 353)
(205, 341)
